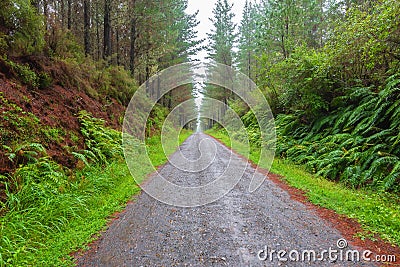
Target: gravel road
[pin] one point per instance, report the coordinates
(228, 232)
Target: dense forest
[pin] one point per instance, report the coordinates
(128, 39)
(330, 71)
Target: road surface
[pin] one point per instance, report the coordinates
(240, 229)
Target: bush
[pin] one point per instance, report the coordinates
(302, 84)
(23, 28)
(44, 80)
(102, 143)
(357, 144)
(26, 75)
(115, 82)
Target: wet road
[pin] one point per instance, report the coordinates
(231, 231)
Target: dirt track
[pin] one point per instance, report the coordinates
(228, 232)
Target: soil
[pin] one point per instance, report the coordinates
(56, 106)
(231, 231)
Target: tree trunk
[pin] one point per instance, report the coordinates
(69, 14)
(118, 46)
(284, 52)
(98, 39)
(45, 15)
(62, 14)
(86, 25)
(132, 55)
(107, 29)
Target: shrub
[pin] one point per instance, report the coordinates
(22, 27)
(44, 80)
(102, 143)
(357, 144)
(25, 73)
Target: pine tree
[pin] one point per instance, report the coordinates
(220, 50)
(247, 47)
(222, 37)
(86, 25)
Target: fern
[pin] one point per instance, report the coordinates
(25, 153)
(393, 177)
(379, 137)
(360, 113)
(103, 143)
(380, 164)
(81, 157)
(358, 142)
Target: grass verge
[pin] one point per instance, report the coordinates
(378, 213)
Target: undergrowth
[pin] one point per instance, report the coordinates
(359, 144)
(51, 211)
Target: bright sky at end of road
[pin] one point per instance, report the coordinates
(205, 8)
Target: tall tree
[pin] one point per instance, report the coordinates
(69, 14)
(220, 49)
(247, 56)
(107, 29)
(86, 25)
(222, 37)
(132, 53)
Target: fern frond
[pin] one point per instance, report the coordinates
(382, 163)
(392, 178)
(379, 137)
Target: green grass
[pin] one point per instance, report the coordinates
(49, 224)
(154, 147)
(378, 213)
(45, 232)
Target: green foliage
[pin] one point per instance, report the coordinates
(63, 44)
(53, 134)
(29, 77)
(355, 144)
(39, 201)
(363, 47)
(334, 87)
(25, 73)
(156, 122)
(44, 80)
(25, 153)
(300, 83)
(16, 125)
(119, 84)
(51, 214)
(51, 211)
(102, 143)
(22, 28)
(222, 36)
(3, 43)
(43, 199)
